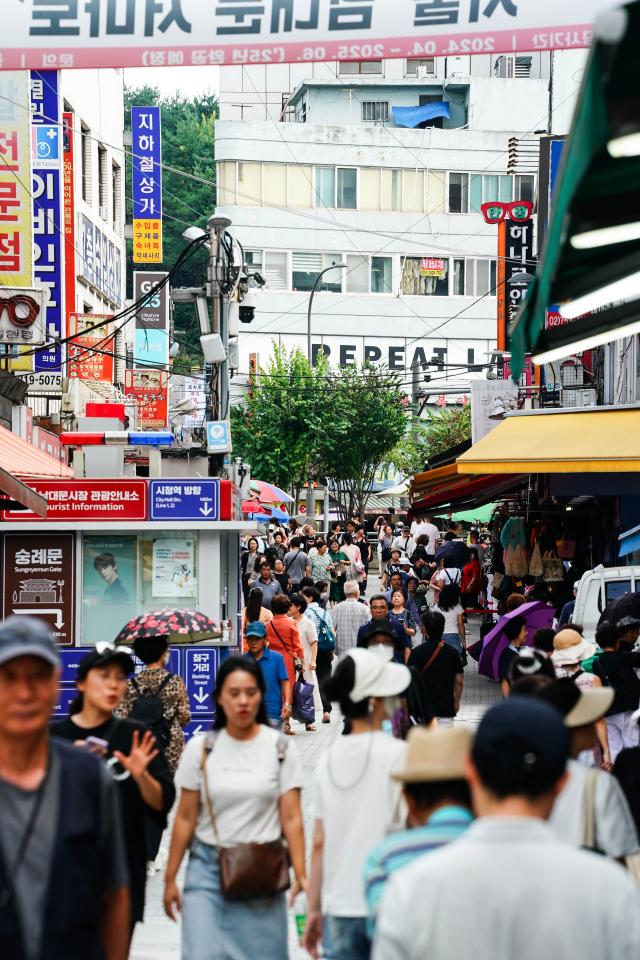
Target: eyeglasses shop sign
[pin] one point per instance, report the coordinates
(23, 315)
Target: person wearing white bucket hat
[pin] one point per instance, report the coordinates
(569, 650)
(353, 778)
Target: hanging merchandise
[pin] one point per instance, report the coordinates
(535, 567)
(519, 562)
(514, 533)
(552, 568)
(566, 547)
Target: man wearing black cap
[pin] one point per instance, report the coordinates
(63, 880)
(526, 894)
(380, 614)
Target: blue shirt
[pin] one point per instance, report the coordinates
(399, 849)
(274, 672)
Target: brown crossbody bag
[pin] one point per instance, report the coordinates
(248, 871)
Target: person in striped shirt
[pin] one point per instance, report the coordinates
(439, 803)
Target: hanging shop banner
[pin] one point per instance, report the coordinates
(68, 215)
(432, 267)
(89, 354)
(109, 585)
(46, 150)
(139, 33)
(146, 184)
(148, 388)
(515, 255)
(16, 236)
(100, 263)
(39, 581)
(173, 568)
(152, 320)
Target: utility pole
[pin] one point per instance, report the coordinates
(219, 325)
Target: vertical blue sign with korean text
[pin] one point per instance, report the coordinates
(46, 149)
(146, 187)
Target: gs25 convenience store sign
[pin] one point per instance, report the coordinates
(53, 34)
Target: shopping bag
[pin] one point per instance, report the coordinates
(535, 567)
(552, 568)
(302, 706)
(565, 547)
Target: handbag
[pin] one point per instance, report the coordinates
(303, 707)
(535, 567)
(552, 568)
(565, 547)
(248, 870)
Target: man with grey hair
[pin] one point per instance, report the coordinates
(348, 617)
(63, 877)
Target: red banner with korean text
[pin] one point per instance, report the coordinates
(148, 389)
(90, 354)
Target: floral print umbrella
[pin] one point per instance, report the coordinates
(182, 626)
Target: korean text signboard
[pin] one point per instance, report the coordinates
(22, 315)
(148, 388)
(88, 500)
(184, 499)
(200, 671)
(88, 354)
(46, 142)
(100, 262)
(39, 580)
(515, 255)
(431, 267)
(16, 246)
(146, 188)
(191, 32)
(68, 213)
(152, 320)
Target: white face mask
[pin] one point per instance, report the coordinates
(383, 651)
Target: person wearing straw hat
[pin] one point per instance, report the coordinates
(356, 801)
(509, 887)
(569, 651)
(589, 794)
(439, 803)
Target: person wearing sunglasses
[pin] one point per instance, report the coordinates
(129, 749)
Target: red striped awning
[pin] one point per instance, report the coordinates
(20, 462)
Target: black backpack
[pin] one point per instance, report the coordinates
(148, 709)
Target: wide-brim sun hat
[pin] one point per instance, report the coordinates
(570, 647)
(375, 677)
(434, 755)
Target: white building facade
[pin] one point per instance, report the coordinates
(314, 170)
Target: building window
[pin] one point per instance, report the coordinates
(458, 193)
(486, 188)
(357, 274)
(359, 67)
(276, 270)
(425, 277)
(116, 195)
(347, 188)
(381, 275)
(306, 267)
(103, 183)
(85, 137)
(474, 277)
(253, 264)
(336, 187)
(375, 111)
(421, 67)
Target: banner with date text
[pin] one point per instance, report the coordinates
(47, 34)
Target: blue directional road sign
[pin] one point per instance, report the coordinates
(200, 666)
(184, 499)
(70, 660)
(196, 727)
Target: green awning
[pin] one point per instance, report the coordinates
(594, 190)
(475, 515)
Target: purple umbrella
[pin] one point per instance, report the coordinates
(536, 614)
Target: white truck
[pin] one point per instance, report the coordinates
(597, 589)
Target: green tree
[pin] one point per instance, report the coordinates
(276, 429)
(426, 438)
(189, 197)
(364, 414)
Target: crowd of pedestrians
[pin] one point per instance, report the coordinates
(429, 839)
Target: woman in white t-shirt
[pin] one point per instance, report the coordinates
(451, 609)
(356, 801)
(254, 780)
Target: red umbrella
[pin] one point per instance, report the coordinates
(184, 626)
(536, 614)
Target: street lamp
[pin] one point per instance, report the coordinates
(334, 266)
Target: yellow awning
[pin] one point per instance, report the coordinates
(598, 441)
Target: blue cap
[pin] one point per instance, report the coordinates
(525, 735)
(256, 629)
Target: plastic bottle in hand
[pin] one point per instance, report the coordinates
(300, 913)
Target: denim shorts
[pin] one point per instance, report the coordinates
(453, 639)
(215, 928)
